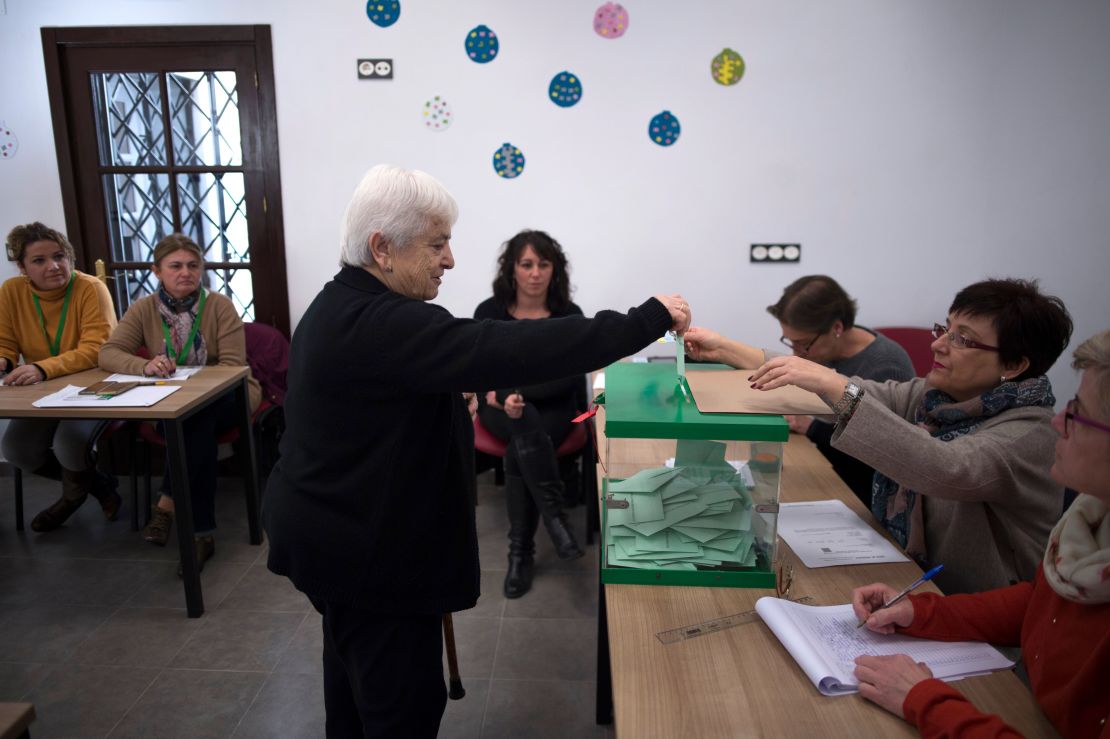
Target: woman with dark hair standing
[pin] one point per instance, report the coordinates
(532, 283)
(963, 454)
(818, 322)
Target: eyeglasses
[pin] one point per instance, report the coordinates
(1070, 415)
(802, 348)
(958, 340)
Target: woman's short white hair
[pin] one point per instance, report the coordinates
(401, 204)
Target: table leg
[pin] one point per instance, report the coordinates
(604, 669)
(183, 516)
(248, 460)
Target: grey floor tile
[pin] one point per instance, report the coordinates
(17, 678)
(165, 589)
(491, 603)
(97, 582)
(86, 700)
(46, 633)
(475, 645)
(540, 709)
(23, 579)
(139, 637)
(239, 640)
(289, 706)
(262, 590)
(546, 649)
(462, 719)
(304, 655)
(557, 594)
(190, 704)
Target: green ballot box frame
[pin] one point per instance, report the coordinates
(644, 403)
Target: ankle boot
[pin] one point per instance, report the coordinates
(104, 490)
(54, 516)
(535, 457)
(523, 520)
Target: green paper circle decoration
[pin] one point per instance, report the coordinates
(727, 68)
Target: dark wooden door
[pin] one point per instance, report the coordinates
(172, 129)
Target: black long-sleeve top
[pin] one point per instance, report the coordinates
(371, 503)
(557, 401)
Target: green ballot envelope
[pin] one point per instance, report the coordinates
(689, 498)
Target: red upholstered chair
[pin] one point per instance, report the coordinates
(916, 341)
(577, 448)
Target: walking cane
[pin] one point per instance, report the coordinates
(456, 690)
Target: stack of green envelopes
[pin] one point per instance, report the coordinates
(694, 515)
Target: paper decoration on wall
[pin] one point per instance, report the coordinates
(437, 114)
(664, 129)
(565, 89)
(482, 44)
(727, 67)
(9, 144)
(611, 20)
(508, 161)
(383, 13)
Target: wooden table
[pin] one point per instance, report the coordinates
(196, 393)
(741, 682)
(15, 718)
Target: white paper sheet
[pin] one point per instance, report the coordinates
(824, 641)
(181, 373)
(826, 533)
(139, 397)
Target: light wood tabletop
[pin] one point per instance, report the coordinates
(16, 400)
(741, 682)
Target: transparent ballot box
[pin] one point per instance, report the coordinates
(688, 498)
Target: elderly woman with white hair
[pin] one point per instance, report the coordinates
(1061, 619)
(370, 511)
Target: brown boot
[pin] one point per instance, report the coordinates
(104, 490)
(56, 515)
(205, 547)
(157, 531)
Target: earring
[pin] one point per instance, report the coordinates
(1003, 378)
(389, 268)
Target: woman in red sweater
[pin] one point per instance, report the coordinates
(1061, 620)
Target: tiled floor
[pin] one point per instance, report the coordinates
(93, 632)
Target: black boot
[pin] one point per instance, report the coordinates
(75, 490)
(535, 456)
(523, 520)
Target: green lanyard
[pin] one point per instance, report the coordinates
(192, 333)
(55, 345)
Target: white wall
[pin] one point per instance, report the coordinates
(911, 146)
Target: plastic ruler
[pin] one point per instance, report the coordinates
(683, 633)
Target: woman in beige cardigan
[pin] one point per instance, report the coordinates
(962, 456)
(184, 324)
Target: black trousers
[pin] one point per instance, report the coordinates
(383, 674)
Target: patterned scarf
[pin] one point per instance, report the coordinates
(179, 315)
(1077, 559)
(946, 419)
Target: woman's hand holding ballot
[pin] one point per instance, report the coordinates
(160, 366)
(679, 309)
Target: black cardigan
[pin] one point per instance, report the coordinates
(371, 503)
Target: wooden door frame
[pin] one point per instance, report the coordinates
(271, 276)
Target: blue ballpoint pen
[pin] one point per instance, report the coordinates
(923, 579)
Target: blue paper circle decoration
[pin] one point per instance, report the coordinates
(482, 45)
(664, 128)
(565, 89)
(383, 13)
(508, 161)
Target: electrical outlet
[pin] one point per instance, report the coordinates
(776, 253)
(375, 69)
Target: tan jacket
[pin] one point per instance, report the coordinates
(90, 319)
(988, 499)
(142, 327)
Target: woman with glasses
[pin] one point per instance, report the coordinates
(962, 456)
(1061, 620)
(818, 321)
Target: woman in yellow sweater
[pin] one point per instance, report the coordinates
(184, 324)
(55, 318)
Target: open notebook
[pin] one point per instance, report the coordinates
(825, 642)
